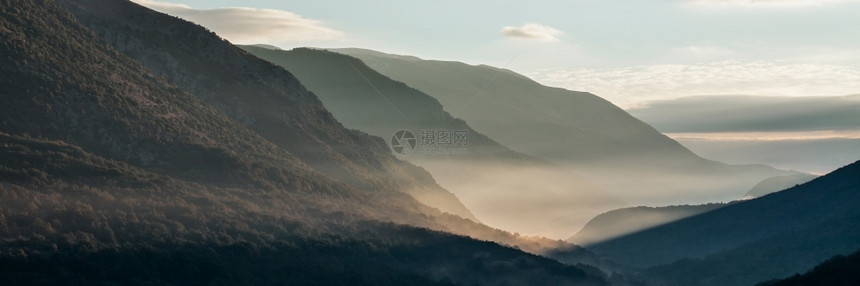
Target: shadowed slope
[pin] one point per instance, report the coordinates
(625, 221)
(751, 241)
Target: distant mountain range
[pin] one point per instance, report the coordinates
(505, 189)
(577, 130)
(776, 235)
(779, 183)
(139, 149)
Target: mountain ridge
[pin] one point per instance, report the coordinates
(779, 183)
(617, 223)
(504, 188)
(343, 155)
(576, 130)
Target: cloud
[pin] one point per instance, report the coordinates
(697, 52)
(532, 31)
(764, 3)
(242, 25)
(767, 136)
(753, 114)
(629, 86)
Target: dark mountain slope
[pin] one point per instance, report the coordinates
(574, 129)
(215, 204)
(87, 220)
(774, 234)
(296, 261)
(837, 271)
(56, 193)
(773, 257)
(259, 95)
(68, 215)
(503, 188)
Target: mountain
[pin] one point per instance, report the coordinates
(504, 189)
(362, 98)
(110, 174)
(261, 96)
(272, 103)
(779, 183)
(620, 222)
(750, 241)
(837, 271)
(577, 130)
(79, 112)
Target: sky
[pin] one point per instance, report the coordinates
(629, 52)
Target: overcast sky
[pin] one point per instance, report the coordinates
(626, 51)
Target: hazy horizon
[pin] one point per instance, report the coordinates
(808, 134)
